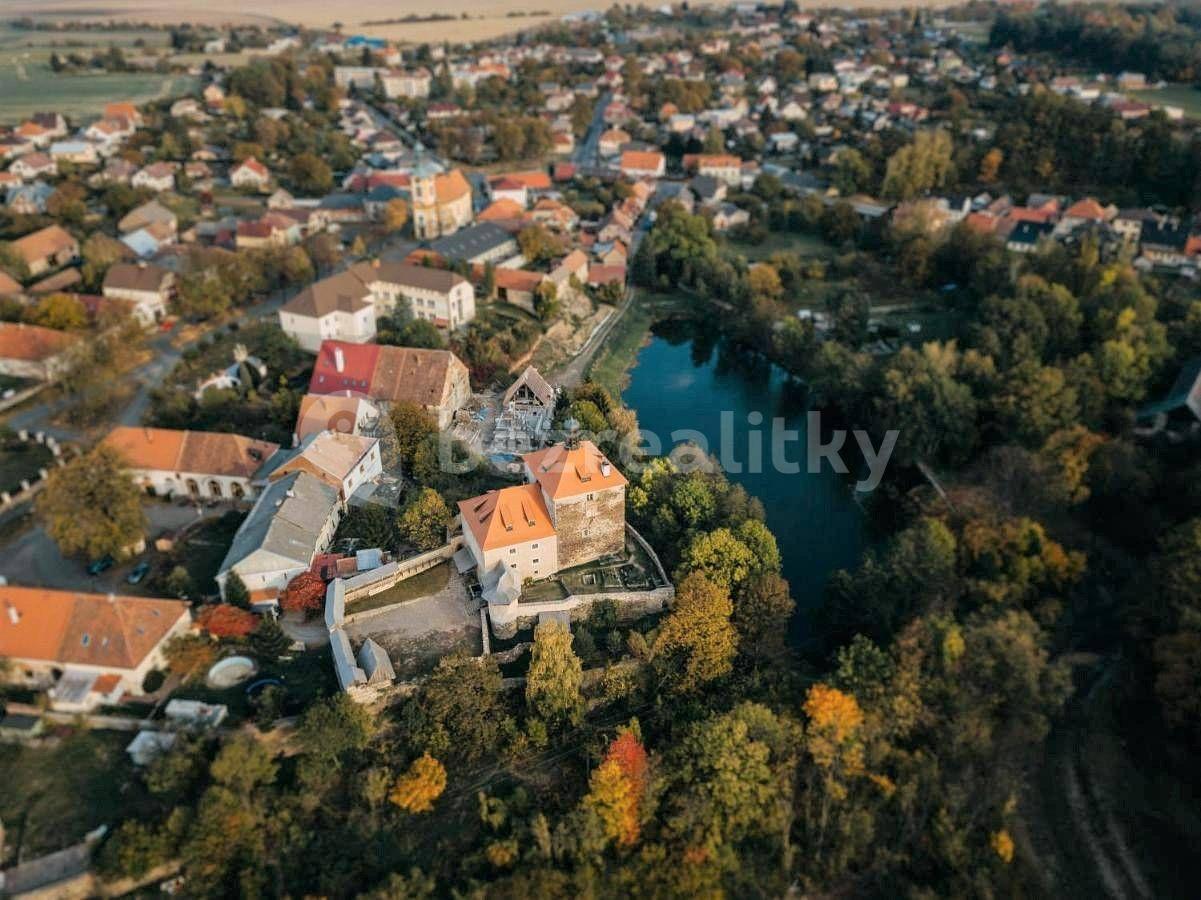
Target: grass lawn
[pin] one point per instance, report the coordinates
(612, 363)
(1185, 96)
(53, 796)
(22, 459)
(780, 242)
(421, 585)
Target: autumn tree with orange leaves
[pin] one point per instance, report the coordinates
(418, 788)
(304, 594)
(617, 788)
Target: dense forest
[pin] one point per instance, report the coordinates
(1160, 41)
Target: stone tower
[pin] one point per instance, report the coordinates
(423, 189)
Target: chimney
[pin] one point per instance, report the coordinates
(14, 615)
(339, 359)
(375, 263)
(606, 468)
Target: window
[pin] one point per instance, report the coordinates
(512, 549)
(512, 565)
(535, 547)
(535, 562)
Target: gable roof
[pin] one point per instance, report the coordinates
(563, 472)
(199, 452)
(538, 386)
(333, 453)
(329, 413)
(287, 521)
(395, 374)
(512, 515)
(32, 343)
(83, 629)
(136, 277)
(42, 243)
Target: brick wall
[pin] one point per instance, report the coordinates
(589, 529)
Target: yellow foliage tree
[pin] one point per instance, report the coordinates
(617, 787)
(396, 214)
(418, 788)
(1002, 845)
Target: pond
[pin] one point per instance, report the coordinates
(685, 378)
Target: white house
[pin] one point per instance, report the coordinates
(293, 520)
(344, 461)
(147, 287)
(166, 462)
(250, 173)
(86, 649)
(159, 176)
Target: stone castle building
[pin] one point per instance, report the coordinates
(570, 512)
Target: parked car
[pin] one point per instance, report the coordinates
(101, 565)
(139, 572)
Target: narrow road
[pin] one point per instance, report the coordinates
(587, 152)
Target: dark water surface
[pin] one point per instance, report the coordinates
(685, 379)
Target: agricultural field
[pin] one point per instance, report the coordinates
(28, 85)
(1185, 96)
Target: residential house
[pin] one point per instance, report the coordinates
(293, 520)
(250, 174)
(152, 215)
(79, 153)
(435, 380)
(612, 141)
(167, 462)
(147, 287)
(28, 199)
(1025, 236)
(34, 165)
(347, 415)
(46, 249)
(85, 649)
(159, 176)
(344, 461)
(643, 164)
(723, 166)
(345, 306)
(727, 216)
(31, 351)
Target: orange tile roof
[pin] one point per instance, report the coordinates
(503, 208)
(451, 186)
(320, 412)
(85, 629)
(512, 515)
(32, 343)
(1088, 208)
(202, 452)
(121, 110)
(641, 159)
(534, 180)
(566, 473)
(517, 279)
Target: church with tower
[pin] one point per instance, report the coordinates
(441, 201)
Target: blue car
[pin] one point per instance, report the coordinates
(101, 565)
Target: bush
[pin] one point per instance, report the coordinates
(153, 681)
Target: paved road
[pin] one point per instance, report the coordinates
(587, 152)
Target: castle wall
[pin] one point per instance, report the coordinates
(590, 526)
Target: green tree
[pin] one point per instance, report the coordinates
(552, 687)
(333, 728)
(919, 167)
(459, 710)
(310, 174)
(60, 311)
(697, 641)
(91, 506)
(424, 519)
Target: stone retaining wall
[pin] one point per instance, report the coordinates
(508, 619)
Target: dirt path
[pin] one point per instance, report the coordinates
(1081, 845)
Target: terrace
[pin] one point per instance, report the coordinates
(632, 570)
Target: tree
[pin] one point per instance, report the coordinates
(920, 166)
(459, 710)
(396, 214)
(552, 686)
(243, 765)
(416, 439)
(764, 281)
(202, 294)
(189, 655)
(420, 786)
(332, 728)
(697, 642)
(761, 614)
(91, 506)
(269, 639)
(223, 620)
(424, 519)
(310, 174)
(304, 594)
(179, 583)
(990, 165)
(234, 590)
(537, 244)
(922, 398)
(852, 173)
(721, 557)
(617, 787)
(61, 312)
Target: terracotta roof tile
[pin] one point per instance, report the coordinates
(512, 515)
(568, 473)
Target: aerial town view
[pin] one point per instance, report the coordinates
(700, 450)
